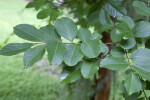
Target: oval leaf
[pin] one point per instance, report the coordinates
(84, 34)
(66, 28)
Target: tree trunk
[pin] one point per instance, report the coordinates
(104, 82)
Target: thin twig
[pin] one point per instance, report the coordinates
(145, 94)
(129, 62)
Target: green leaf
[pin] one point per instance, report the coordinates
(44, 13)
(37, 4)
(141, 8)
(113, 63)
(33, 55)
(88, 69)
(56, 52)
(104, 18)
(142, 29)
(141, 57)
(50, 34)
(66, 28)
(127, 20)
(15, 48)
(106, 27)
(70, 74)
(114, 10)
(132, 84)
(147, 44)
(117, 52)
(91, 48)
(115, 35)
(128, 44)
(28, 32)
(96, 35)
(73, 54)
(84, 34)
(103, 48)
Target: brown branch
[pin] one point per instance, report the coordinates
(129, 62)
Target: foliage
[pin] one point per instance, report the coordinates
(83, 59)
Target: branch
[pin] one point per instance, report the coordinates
(129, 62)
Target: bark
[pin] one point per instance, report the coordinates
(104, 83)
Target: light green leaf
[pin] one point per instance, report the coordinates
(15, 48)
(113, 63)
(73, 54)
(84, 34)
(88, 69)
(96, 35)
(50, 34)
(66, 28)
(142, 29)
(28, 32)
(117, 52)
(44, 13)
(141, 8)
(127, 20)
(56, 52)
(114, 10)
(91, 48)
(128, 44)
(104, 48)
(70, 74)
(132, 84)
(33, 55)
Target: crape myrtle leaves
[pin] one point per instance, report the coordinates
(141, 8)
(113, 63)
(66, 28)
(127, 20)
(142, 29)
(73, 54)
(88, 69)
(128, 44)
(114, 10)
(15, 48)
(132, 84)
(56, 52)
(91, 48)
(117, 52)
(70, 74)
(50, 34)
(28, 32)
(84, 34)
(33, 55)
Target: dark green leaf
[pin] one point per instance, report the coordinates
(73, 54)
(88, 69)
(113, 63)
(115, 35)
(56, 52)
(106, 27)
(70, 74)
(91, 48)
(117, 52)
(15, 48)
(43, 13)
(127, 20)
(147, 44)
(50, 34)
(66, 28)
(28, 32)
(33, 55)
(128, 44)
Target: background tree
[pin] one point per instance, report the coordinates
(103, 36)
